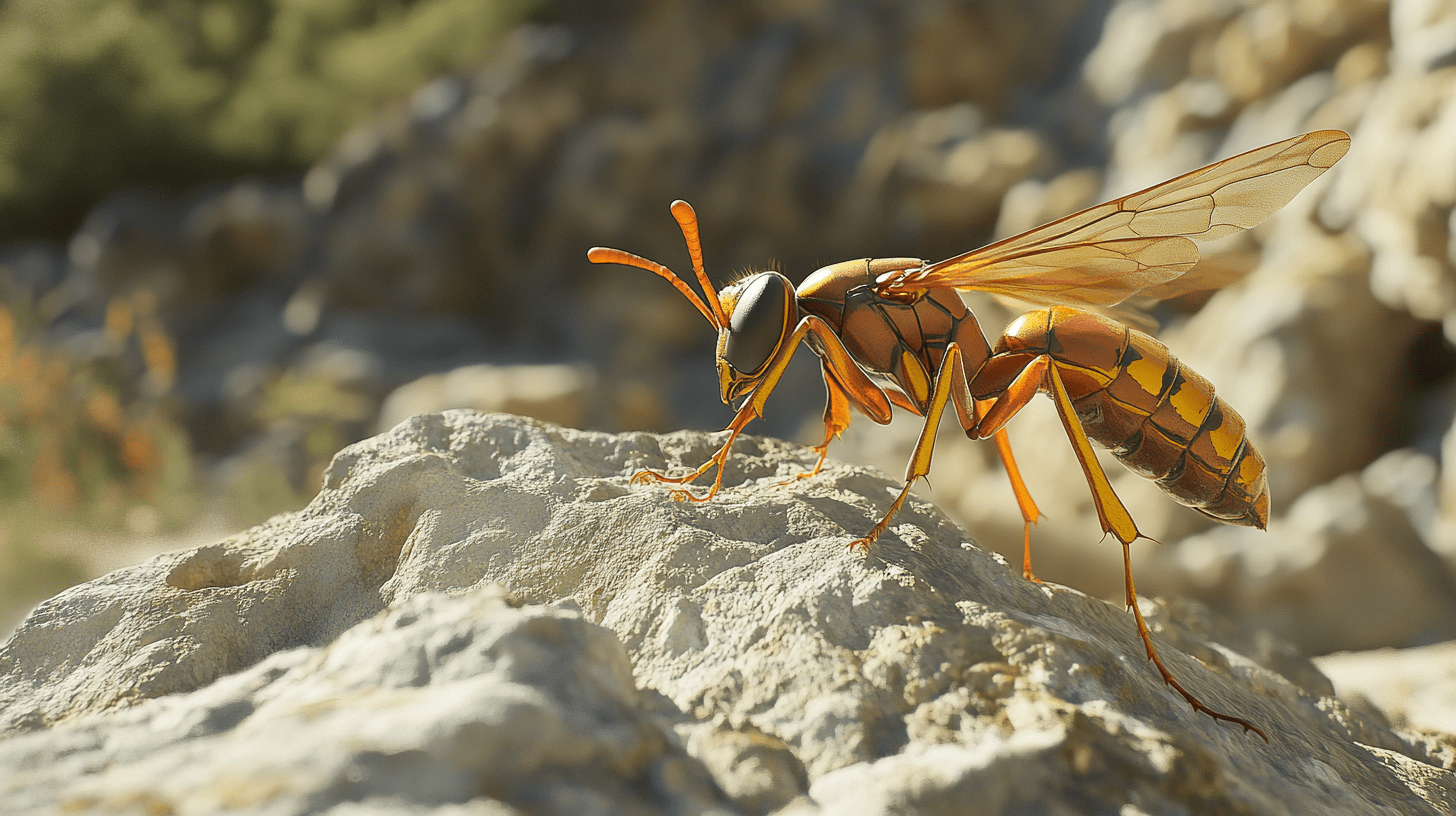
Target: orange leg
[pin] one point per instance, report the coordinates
(1147, 639)
(969, 413)
(1042, 374)
(836, 421)
(1029, 511)
(951, 371)
(856, 387)
(744, 416)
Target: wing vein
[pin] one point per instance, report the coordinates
(1108, 253)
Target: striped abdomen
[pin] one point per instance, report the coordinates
(1155, 414)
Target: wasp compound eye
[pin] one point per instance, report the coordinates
(758, 324)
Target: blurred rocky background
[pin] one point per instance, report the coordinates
(241, 235)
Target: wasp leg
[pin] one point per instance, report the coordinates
(951, 371)
(854, 384)
(1147, 639)
(845, 382)
(744, 416)
(1024, 502)
(836, 421)
(1042, 374)
(969, 413)
(859, 389)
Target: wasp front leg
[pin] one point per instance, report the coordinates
(840, 370)
(744, 416)
(846, 385)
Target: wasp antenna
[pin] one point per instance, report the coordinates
(687, 220)
(604, 255)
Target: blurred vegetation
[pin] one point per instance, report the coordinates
(87, 440)
(102, 95)
(91, 435)
(92, 441)
(314, 417)
(96, 95)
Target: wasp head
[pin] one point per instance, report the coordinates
(762, 312)
(753, 316)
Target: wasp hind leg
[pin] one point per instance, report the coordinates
(1029, 512)
(1147, 638)
(968, 412)
(1042, 374)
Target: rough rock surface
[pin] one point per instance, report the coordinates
(437, 700)
(358, 657)
(1415, 687)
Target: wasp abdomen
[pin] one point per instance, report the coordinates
(1158, 416)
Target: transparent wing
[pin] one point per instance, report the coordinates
(1107, 253)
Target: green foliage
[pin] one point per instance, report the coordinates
(259, 490)
(30, 573)
(101, 94)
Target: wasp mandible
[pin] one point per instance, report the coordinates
(893, 332)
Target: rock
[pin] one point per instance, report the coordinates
(28, 271)
(1415, 687)
(356, 654)
(560, 394)
(1325, 346)
(437, 701)
(193, 255)
(450, 231)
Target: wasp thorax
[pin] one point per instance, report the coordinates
(760, 316)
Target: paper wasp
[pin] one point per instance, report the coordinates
(893, 332)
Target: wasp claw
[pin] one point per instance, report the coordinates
(795, 478)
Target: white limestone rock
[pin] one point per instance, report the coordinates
(353, 657)
(1416, 687)
(437, 701)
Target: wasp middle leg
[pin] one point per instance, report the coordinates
(836, 422)
(950, 381)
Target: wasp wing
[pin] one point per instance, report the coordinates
(1105, 254)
